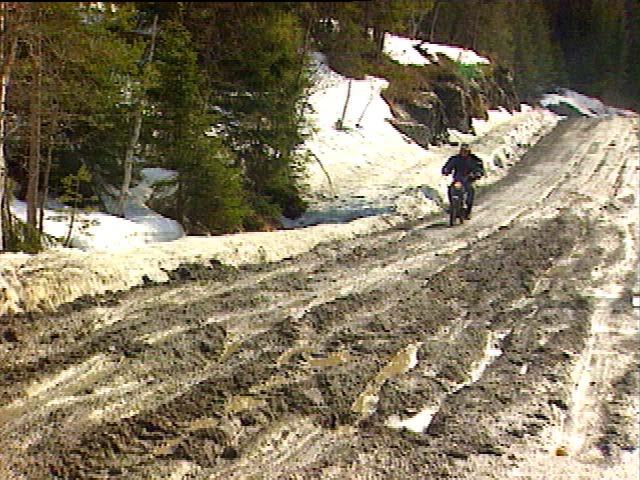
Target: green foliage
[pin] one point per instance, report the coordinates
(349, 51)
(405, 81)
(515, 34)
(589, 45)
(210, 190)
(394, 15)
(72, 193)
(86, 64)
(536, 63)
(468, 71)
(261, 91)
(631, 86)
(599, 40)
(71, 186)
(19, 236)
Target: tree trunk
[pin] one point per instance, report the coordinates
(303, 60)
(45, 184)
(3, 95)
(180, 206)
(5, 214)
(416, 20)
(128, 161)
(7, 56)
(340, 124)
(378, 37)
(436, 9)
(67, 241)
(476, 27)
(135, 134)
(366, 19)
(34, 140)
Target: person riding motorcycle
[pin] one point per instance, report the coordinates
(466, 168)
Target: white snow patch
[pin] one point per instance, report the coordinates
(412, 352)
(459, 54)
(417, 423)
(491, 352)
(588, 106)
(103, 232)
(403, 50)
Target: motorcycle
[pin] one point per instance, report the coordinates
(456, 207)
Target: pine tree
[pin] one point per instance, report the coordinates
(210, 194)
(536, 62)
(64, 59)
(66, 76)
(256, 71)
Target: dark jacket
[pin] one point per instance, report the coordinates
(464, 168)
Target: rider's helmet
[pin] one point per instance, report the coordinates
(465, 148)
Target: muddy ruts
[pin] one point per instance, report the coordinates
(619, 433)
(199, 426)
(123, 339)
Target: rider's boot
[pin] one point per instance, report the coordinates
(467, 212)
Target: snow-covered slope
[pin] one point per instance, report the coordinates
(370, 168)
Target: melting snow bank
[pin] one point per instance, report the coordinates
(581, 104)
(32, 283)
(409, 51)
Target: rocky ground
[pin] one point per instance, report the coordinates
(503, 348)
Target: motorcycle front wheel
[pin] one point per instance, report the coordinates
(455, 211)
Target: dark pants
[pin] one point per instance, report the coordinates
(470, 194)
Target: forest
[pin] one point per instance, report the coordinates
(216, 91)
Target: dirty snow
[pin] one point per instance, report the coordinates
(420, 421)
